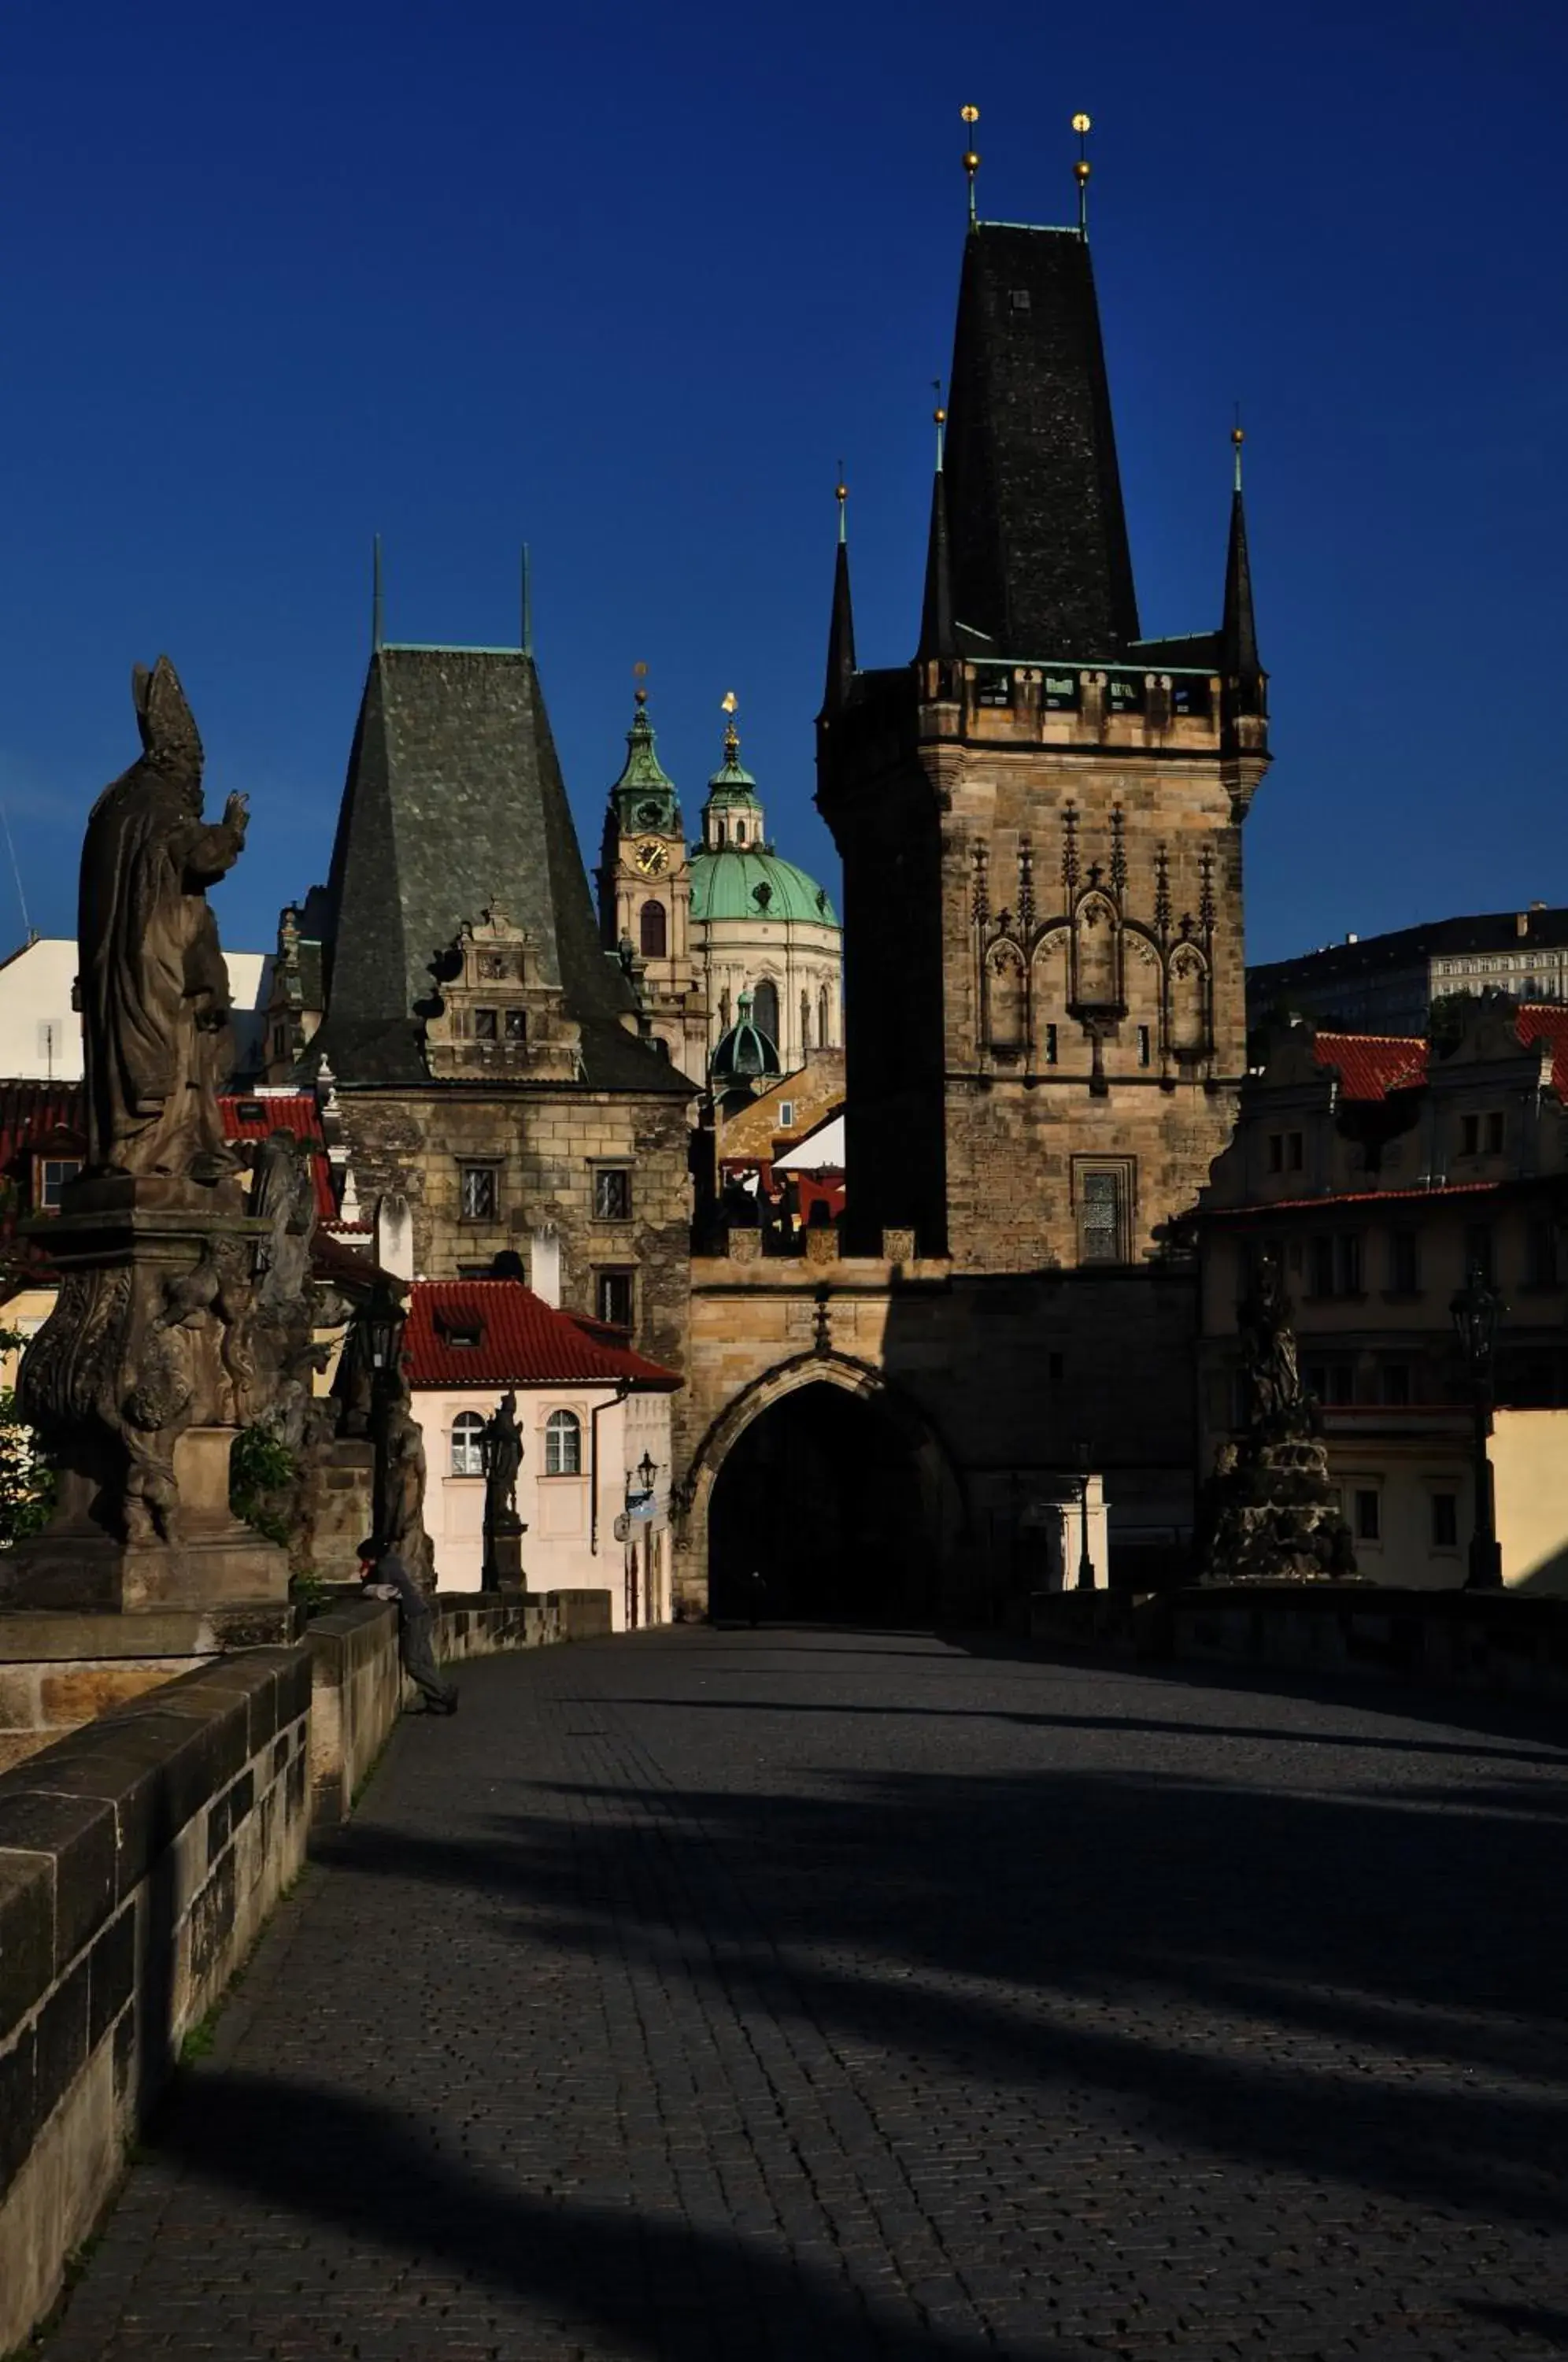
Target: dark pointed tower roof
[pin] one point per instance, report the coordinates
(1238, 632)
(1040, 559)
(841, 628)
(936, 606)
(454, 803)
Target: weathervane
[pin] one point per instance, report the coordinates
(640, 675)
(728, 705)
(971, 116)
(1083, 127)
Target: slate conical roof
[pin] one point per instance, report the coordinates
(1040, 558)
(454, 803)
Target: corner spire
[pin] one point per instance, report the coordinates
(1239, 639)
(969, 117)
(1083, 127)
(936, 637)
(841, 629)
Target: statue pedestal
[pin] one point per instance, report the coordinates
(138, 1383)
(503, 1559)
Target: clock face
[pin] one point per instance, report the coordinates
(651, 859)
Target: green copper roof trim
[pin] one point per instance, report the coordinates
(731, 783)
(726, 879)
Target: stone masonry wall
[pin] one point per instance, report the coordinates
(137, 1860)
(543, 1146)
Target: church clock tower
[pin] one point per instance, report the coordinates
(645, 896)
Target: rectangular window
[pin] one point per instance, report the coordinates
(612, 1298)
(1493, 1135)
(1145, 1045)
(1540, 1255)
(1368, 1515)
(486, 1025)
(1321, 1282)
(612, 1194)
(786, 1114)
(478, 1193)
(1050, 1045)
(1347, 1264)
(1478, 1250)
(1276, 1152)
(1102, 1195)
(517, 1025)
(1293, 1151)
(1404, 1263)
(54, 1172)
(1445, 1522)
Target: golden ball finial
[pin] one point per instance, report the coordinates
(940, 415)
(1081, 124)
(1081, 168)
(841, 493)
(971, 162)
(1237, 436)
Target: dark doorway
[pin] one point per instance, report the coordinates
(823, 1496)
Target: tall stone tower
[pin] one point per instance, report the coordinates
(1039, 822)
(645, 896)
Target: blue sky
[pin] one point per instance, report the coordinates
(628, 282)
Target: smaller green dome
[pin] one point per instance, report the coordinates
(732, 784)
(733, 881)
(745, 1053)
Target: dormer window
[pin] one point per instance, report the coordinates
(463, 1339)
(486, 1024)
(517, 1025)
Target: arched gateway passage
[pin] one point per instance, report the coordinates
(830, 1485)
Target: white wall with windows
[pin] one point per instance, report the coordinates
(40, 1034)
(590, 1525)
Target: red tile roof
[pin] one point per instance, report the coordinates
(292, 1111)
(1370, 1066)
(1547, 1022)
(523, 1341)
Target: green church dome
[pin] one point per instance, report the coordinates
(731, 882)
(745, 1053)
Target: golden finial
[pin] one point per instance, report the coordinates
(639, 674)
(841, 494)
(1083, 127)
(971, 116)
(939, 417)
(1237, 439)
(727, 704)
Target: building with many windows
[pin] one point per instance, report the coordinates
(1378, 1175)
(1388, 983)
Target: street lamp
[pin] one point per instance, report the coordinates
(385, 1322)
(647, 1469)
(1474, 1310)
(1085, 1563)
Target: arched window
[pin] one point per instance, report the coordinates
(765, 1008)
(740, 831)
(805, 1024)
(654, 931)
(468, 1453)
(563, 1443)
(825, 1019)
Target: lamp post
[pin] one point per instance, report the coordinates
(1085, 1563)
(1474, 1310)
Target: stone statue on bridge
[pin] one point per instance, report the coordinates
(1273, 1515)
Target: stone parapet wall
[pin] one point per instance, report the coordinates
(1455, 1640)
(62, 1667)
(138, 1862)
(139, 1859)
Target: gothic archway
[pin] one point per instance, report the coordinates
(832, 1484)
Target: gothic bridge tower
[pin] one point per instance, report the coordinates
(1040, 821)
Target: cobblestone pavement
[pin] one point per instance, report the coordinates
(823, 1995)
